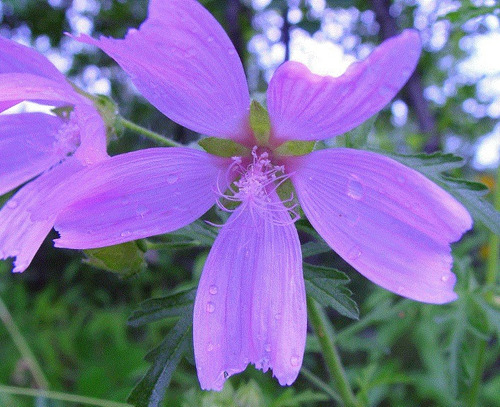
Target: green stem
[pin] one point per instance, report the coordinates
(157, 138)
(473, 394)
(320, 384)
(324, 332)
(494, 251)
(23, 347)
(55, 395)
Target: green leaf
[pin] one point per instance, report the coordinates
(150, 391)
(198, 231)
(295, 147)
(466, 13)
(173, 305)
(357, 137)
(468, 193)
(260, 123)
(125, 259)
(223, 147)
(327, 286)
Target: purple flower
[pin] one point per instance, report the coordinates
(43, 148)
(388, 221)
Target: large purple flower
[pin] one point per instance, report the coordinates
(388, 221)
(37, 143)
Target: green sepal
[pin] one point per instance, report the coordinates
(223, 147)
(125, 259)
(260, 123)
(109, 112)
(63, 111)
(295, 147)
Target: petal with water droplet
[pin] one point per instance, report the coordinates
(402, 233)
(259, 309)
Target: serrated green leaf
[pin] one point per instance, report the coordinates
(327, 286)
(125, 259)
(223, 147)
(149, 392)
(174, 305)
(467, 192)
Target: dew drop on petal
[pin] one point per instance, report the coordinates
(125, 233)
(445, 278)
(210, 307)
(401, 179)
(385, 91)
(354, 253)
(231, 51)
(172, 178)
(210, 39)
(213, 289)
(210, 347)
(277, 316)
(141, 211)
(267, 347)
(12, 204)
(294, 361)
(355, 189)
(226, 374)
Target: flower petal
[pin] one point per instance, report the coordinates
(135, 195)
(92, 147)
(28, 146)
(388, 221)
(305, 106)
(20, 236)
(183, 62)
(250, 306)
(24, 86)
(18, 58)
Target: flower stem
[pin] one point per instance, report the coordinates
(494, 251)
(55, 395)
(157, 138)
(23, 347)
(324, 332)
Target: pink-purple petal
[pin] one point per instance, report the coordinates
(18, 58)
(250, 305)
(183, 62)
(28, 146)
(92, 147)
(20, 236)
(24, 86)
(305, 106)
(388, 221)
(135, 195)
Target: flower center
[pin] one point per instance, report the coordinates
(257, 185)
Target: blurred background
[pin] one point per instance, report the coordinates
(74, 316)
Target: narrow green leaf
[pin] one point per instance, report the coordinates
(357, 137)
(199, 231)
(260, 123)
(223, 147)
(174, 305)
(327, 286)
(295, 147)
(150, 391)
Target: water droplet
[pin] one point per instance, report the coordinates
(210, 347)
(311, 178)
(445, 278)
(231, 51)
(400, 289)
(210, 39)
(226, 374)
(294, 361)
(189, 53)
(210, 307)
(172, 178)
(406, 72)
(401, 179)
(124, 201)
(354, 253)
(355, 189)
(125, 233)
(12, 204)
(277, 316)
(267, 347)
(386, 92)
(213, 289)
(141, 211)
